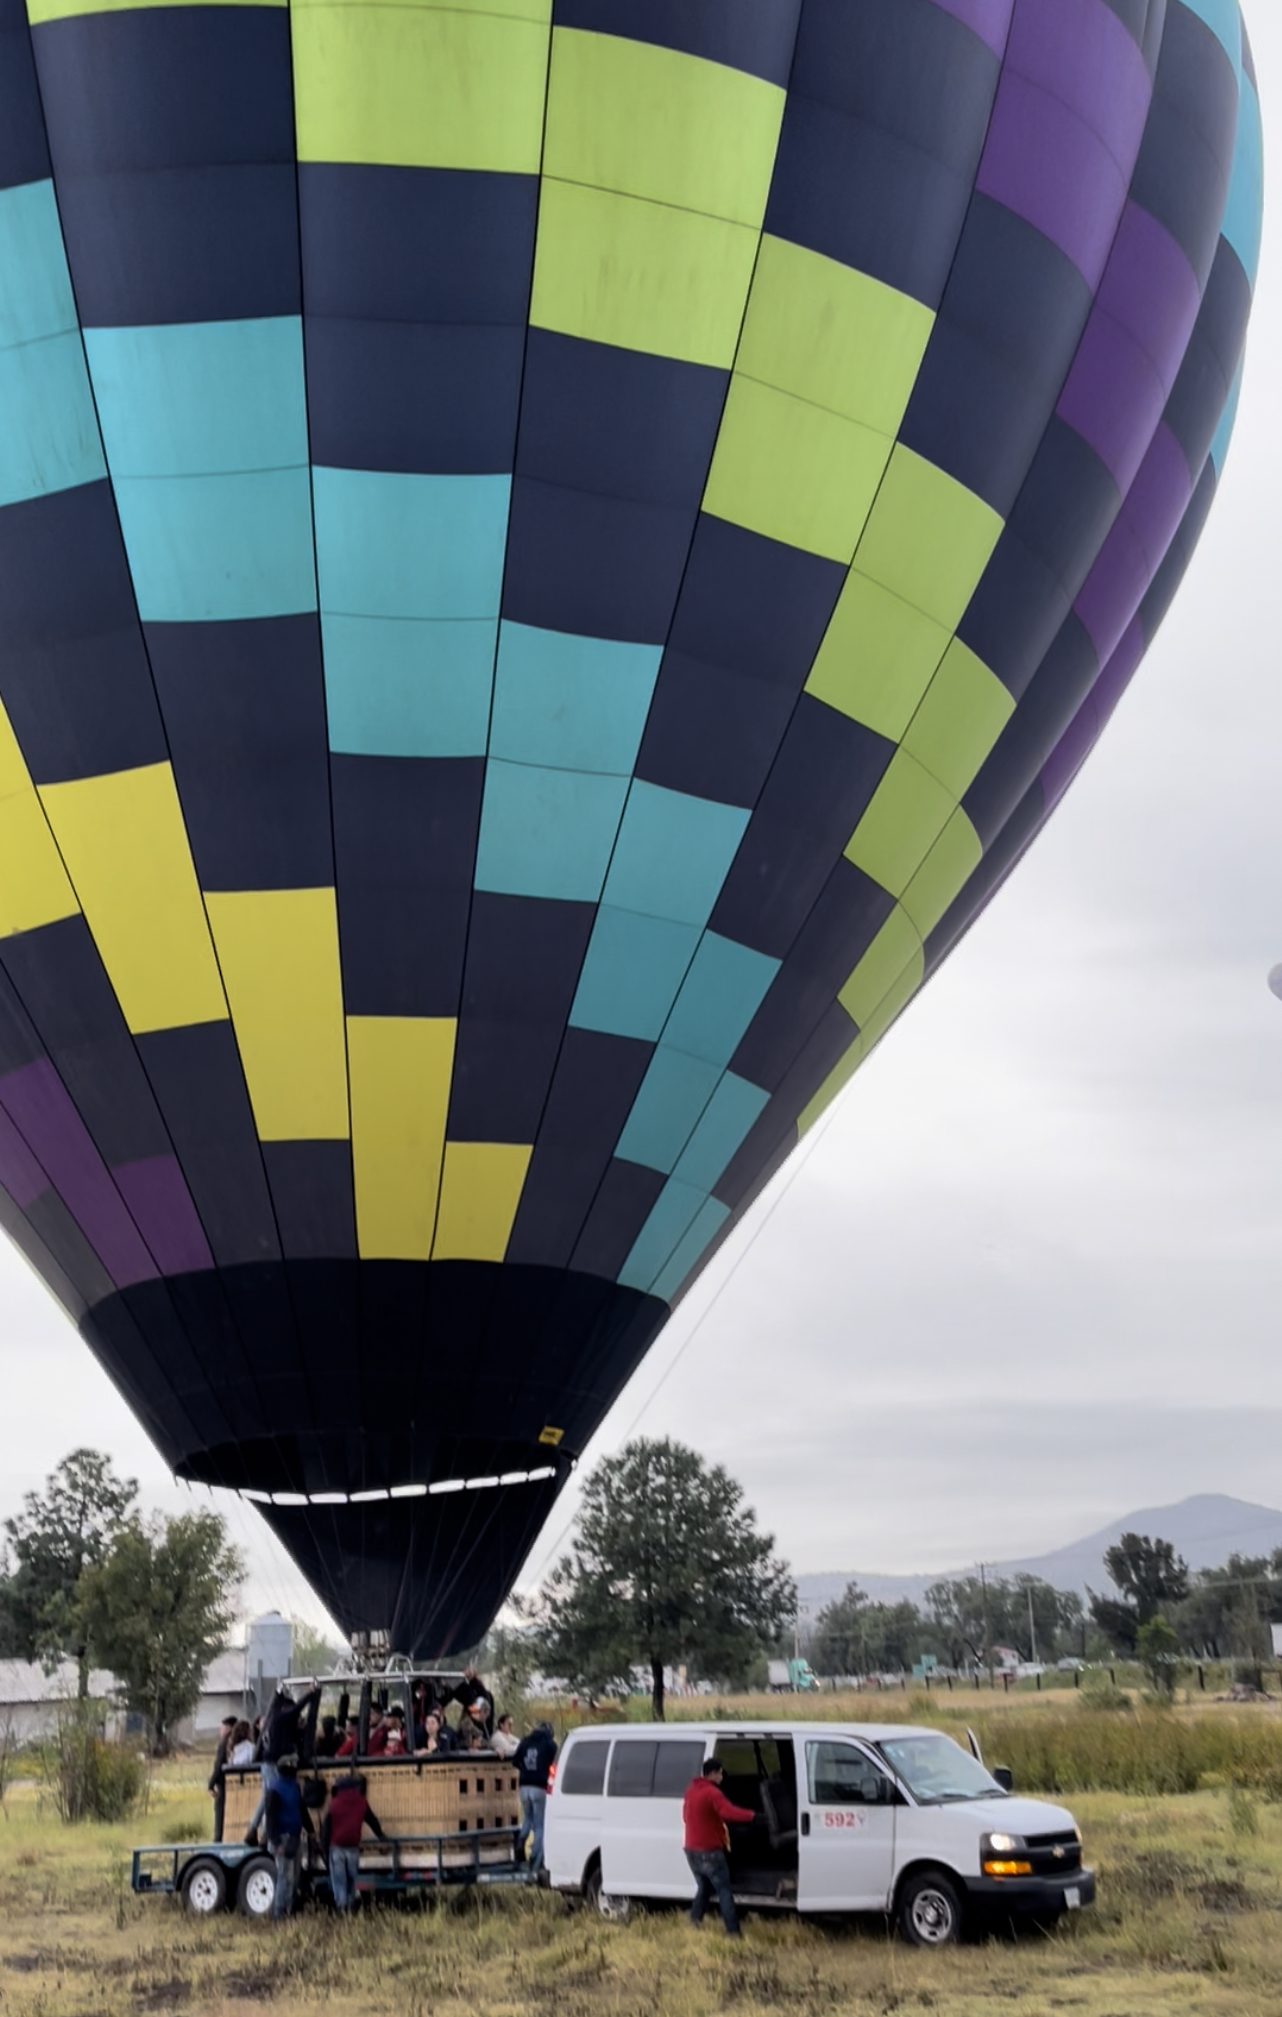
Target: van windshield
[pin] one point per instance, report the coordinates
(933, 1767)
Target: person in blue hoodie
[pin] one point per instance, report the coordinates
(535, 1757)
(287, 1822)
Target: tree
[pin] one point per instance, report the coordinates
(856, 1636)
(1157, 1646)
(1226, 1613)
(1151, 1578)
(159, 1607)
(966, 1616)
(509, 1653)
(59, 1536)
(667, 1565)
(310, 1651)
(1148, 1573)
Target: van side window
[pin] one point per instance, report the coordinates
(676, 1765)
(584, 1770)
(632, 1770)
(840, 1776)
(644, 1771)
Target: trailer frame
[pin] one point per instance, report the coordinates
(440, 1863)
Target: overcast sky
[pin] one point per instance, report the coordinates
(1029, 1275)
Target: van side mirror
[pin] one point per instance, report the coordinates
(1004, 1777)
(872, 1790)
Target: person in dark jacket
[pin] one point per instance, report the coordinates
(288, 1820)
(470, 1690)
(217, 1784)
(535, 1757)
(705, 1814)
(328, 1739)
(279, 1739)
(347, 1814)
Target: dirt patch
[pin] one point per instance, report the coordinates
(1227, 1894)
(251, 1985)
(163, 1995)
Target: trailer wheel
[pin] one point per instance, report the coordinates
(204, 1888)
(257, 1888)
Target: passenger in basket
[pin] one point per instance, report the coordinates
(242, 1746)
(347, 1749)
(536, 1755)
(474, 1728)
(471, 1690)
(279, 1739)
(328, 1740)
(395, 1747)
(348, 1812)
(376, 1742)
(438, 1738)
(504, 1738)
(705, 1813)
(287, 1822)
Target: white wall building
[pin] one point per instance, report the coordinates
(29, 1696)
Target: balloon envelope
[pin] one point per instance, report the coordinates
(551, 560)
(1275, 981)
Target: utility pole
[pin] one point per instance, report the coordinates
(1032, 1629)
(988, 1637)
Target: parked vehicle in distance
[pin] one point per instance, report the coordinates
(795, 1676)
(847, 1817)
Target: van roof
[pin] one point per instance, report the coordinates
(869, 1732)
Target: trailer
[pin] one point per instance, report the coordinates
(214, 1877)
(449, 1819)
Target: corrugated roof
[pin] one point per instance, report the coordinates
(28, 1681)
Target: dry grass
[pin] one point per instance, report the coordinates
(1189, 1925)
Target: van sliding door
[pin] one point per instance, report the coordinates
(642, 1837)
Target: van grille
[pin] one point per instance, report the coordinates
(1052, 1855)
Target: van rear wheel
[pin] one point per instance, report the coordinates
(929, 1910)
(607, 1904)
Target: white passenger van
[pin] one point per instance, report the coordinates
(847, 1817)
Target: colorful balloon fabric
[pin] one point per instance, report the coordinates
(552, 557)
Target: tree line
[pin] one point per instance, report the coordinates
(667, 1567)
(1161, 1611)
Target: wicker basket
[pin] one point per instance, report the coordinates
(411, 1796)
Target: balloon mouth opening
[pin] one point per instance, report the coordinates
(321, 1470)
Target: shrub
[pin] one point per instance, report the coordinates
(90, 1779)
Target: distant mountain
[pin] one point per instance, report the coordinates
(1206, 1530)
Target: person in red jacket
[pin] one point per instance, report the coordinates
(347, 1813)
(706, 1812)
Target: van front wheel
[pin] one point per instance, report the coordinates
(930, 1910)
(608, 1904)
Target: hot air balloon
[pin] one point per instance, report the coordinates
(1275, 981)
(553, 554)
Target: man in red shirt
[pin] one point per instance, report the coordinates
(347, 1813)
(705, 1814)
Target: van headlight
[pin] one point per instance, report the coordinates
(999, 1856)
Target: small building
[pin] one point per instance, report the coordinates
(224, 1691)
(31, 1695)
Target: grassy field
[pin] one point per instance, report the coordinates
(1189, 1923)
